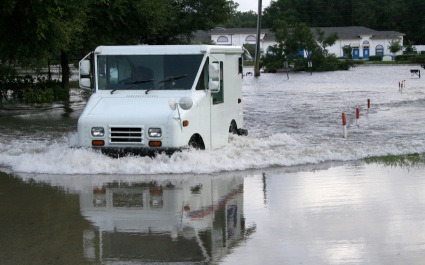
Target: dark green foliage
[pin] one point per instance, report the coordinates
(405, 16)
(395, 46)
(242, 20)
(274, 59)
(375, 58)
(33, 32)
(298, 38)
(348, 51)
(250, 48)
(410, 58)
(27, 89)
(409, 48)
(331, 63)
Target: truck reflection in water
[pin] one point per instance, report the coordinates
(181, 221)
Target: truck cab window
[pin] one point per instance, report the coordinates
(147, 72)
(203, 78)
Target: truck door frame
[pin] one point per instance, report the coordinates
(219, 128)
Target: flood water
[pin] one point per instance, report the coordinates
(292, 192)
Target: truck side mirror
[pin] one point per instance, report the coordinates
(85, 83)
(214, 86)
(84, 69)
(214, 71)
(214, 75)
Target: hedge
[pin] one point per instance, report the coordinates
(28, 89)
(411, 58)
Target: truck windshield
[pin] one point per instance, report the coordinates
(147, 72)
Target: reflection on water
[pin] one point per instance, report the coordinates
(164, 222)
(39, 224)
(189, 220)
(330, 213)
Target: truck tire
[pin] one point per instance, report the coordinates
(197, 142)
(233, 128)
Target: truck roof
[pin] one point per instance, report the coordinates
(166, 49)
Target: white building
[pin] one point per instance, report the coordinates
(364, 41)
(236, 36)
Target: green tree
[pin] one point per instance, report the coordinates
(394, 46)
(192, 15)
(241, 20)
(294, 42)
(409, 48)
(325, 41)
(151, 21)
(392, 15)
(348, 51)
(40, 31)
(51, 28)
(250, 48)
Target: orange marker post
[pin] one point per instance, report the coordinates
(368, 105)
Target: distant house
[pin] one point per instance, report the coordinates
(236, 36)
(364, 41)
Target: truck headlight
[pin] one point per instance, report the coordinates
(155, 132)
(97, 131)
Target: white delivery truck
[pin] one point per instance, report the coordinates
(161, 98)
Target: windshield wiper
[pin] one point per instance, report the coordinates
(172, 78)
(139, 82)
(133, 83)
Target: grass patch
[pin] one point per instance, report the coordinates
(398, 160)
(383, 62)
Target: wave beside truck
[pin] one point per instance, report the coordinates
(161, 98)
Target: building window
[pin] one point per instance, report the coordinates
(379, 50)
(222, 39)
(250, 39)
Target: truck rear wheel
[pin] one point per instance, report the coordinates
(233, 128)
(197, 142)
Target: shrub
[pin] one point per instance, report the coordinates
(411, 58)
(28, 89)
(332, 63)
(375, 58)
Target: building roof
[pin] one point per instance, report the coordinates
(356, 32)
(343, 32)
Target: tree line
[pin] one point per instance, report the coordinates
(406, 16)
(35, 31)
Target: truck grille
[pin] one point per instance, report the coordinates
(126, 135)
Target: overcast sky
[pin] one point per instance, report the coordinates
(246, 5)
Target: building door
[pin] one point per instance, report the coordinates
(365, 53)
(356, 53)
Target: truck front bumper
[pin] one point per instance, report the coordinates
(117, 152)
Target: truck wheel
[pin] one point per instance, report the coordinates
(243, 132)
(233, 128)
(197, 142)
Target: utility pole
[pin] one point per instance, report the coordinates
(257, 50)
